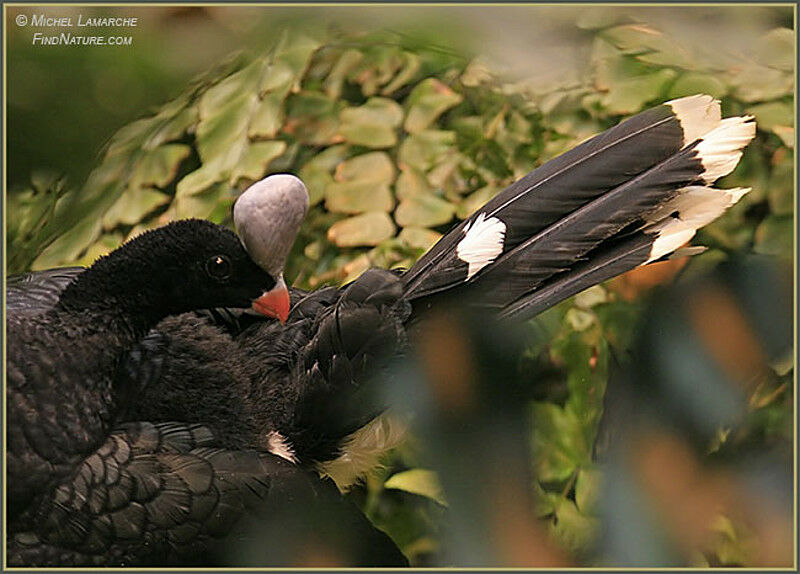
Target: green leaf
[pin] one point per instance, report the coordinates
(776, 49)
(412, 64)
(373, 166)
(418, 481)
(329, 158)
(133, 205)
(575, 531)
(637, 39)
(277, 79)
(475, 201)
(296, 51)
(411, 183)
(346, 63)
(366, 229)
(559, 446)
(772, 114)
(69, 246)
(758, 84)
(256, 159)
(781, 187)
(425, 149)
(775, 236)
(200, 205)
(425, 210)
(588, 487)
(362, 183)
(695, 83)
(476, 73)
(131, 137)
(628, 95)
(544, 502)
(649, 45)
(316, 181)
(585, 353)
(429, 99)
(268, 117)
(202, 178)
(446, 175)
(175, 128)
(418, 237)
(372, 125)
(376, 111)
(32, 209)
(317, 172)
(312, 118)
(358, 196)
(159, 167)
(225, 112)
(373, 136)
(591, 297)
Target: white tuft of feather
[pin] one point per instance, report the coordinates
(675, 222)
(362, 450)
(721, 149)
(279, 445)
(697, 115)
(698, 205)
(670, 235)
(482, 243)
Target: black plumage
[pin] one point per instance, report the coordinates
(169, 494)
(62, 392)
(205, 491)
(629, 196)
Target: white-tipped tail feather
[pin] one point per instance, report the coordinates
(721, 149)
(699, 205)
(697, 115)
(676, 222)
(670, 234)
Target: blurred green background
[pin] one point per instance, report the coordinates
(403, 120)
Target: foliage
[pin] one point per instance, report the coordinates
(396, 142)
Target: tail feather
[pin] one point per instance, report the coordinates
(560, 186)
(585, 203)
(666, 230)
(560, 245)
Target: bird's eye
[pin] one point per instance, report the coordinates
(219, 267)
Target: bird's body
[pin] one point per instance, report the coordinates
(630, 196)
(136, 448)
(171, 494)
(60, 397)
(63, 392)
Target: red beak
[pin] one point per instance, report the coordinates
(275, 302)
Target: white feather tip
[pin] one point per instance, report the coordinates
(698, 115)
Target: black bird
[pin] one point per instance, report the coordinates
(62, 393)
(86, 488)
(629, 196)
